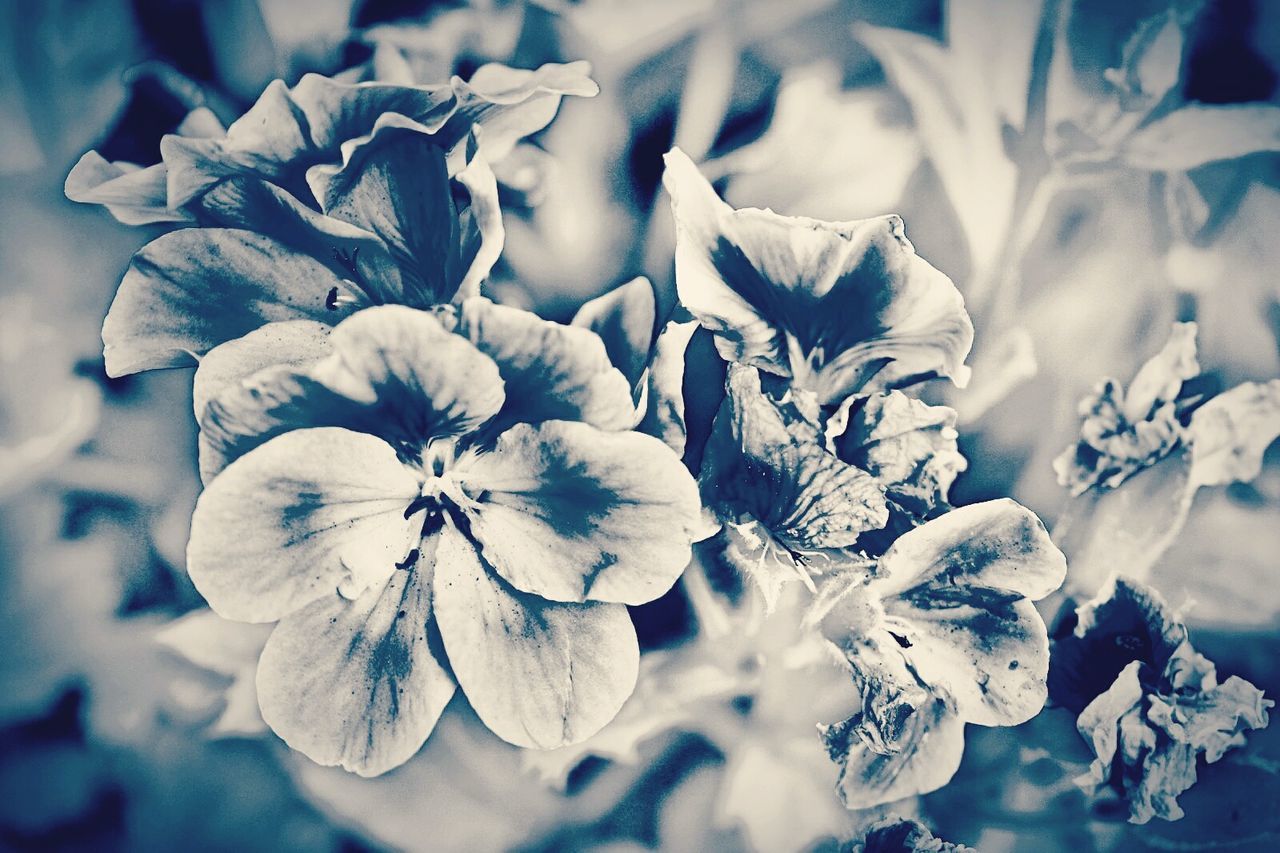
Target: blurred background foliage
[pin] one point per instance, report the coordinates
(1076, 215)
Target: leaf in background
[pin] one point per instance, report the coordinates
(1197, 134)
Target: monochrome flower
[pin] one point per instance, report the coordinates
(1163, 708)
(322, 199)
(432, 507)
(835, 307)
(1123, 431)
(940, 632)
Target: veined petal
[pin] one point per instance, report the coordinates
(394, 372)
(357, 683)
(540, 674)
(838, 307)
(766, 461)
(929, 755)
(552, 371)
(191, 290)
(292, 343)
(987, 650)
(997, 545)
(572, 513)
(308, 513)
(134, 195)
(394, 183)
(909, 446)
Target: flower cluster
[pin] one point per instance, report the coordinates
(821, 468)
(422, 489)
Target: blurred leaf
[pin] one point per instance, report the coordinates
(1198, 134)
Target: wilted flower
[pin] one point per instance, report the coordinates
(322, 199)
(1123, 431)
(837, 308)
(941, 632)
(438, 507)
(1154, 705)
(897, 835)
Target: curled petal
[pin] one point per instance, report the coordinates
(997, 545)
(571, 513)
(307, 513)
(766, 461)
(928, 757)
(663, 386)
(394, 372)
(508, 104)
(552, 371)
(624, 319)
(540, 674)
(134, 195)
(189, 291)
(909, 446)
(837, 307)
(357, 683)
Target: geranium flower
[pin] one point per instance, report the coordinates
(940, 632)
(1121, 431)
(837, 308)
(323, 199)
(433, 508)
(1164, 707)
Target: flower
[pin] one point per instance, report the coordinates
(423, 508)
(1163, 710)
(837, 308)
(940, 632)
(322, 199)
(1121, 431)
(899, 835)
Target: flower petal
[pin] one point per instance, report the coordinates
(538, 673)
(394, 372)
(292, 343)
(357, 683)
(997, 545)
(191, 290)
(836, 306)
(572, 513)
(766, 461)
(986, 650)
(929, 756)
(624, 319)
(134, 195)
(1231, 432)
(664, 385)
(395, 184)
(552, 371)
(303, 515)
(909, 446)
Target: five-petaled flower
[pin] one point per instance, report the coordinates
(939, 632)
(322, 199)
(1149, 705)
(427, 506)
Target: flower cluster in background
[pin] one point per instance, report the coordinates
(546, 489)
